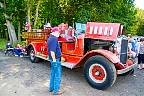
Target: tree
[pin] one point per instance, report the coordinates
(63, 11)
(37, 10)
(14, 12)
(10, 27)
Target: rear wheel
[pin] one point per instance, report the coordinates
(33, 58)
(99, 72)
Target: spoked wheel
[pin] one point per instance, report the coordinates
(33, 58)
(99, 72)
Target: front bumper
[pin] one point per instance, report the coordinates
(122, 71)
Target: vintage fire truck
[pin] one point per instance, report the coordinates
(101, 51)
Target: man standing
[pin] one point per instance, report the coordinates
(141, 54)
(54, 52)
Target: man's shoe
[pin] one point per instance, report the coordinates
(50, 90)
(58, 93)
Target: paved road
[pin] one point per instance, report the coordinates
(20, 77)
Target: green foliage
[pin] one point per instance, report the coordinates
(2, 44)
(139, 25)
(2, 22)
(15, 10)
(69, 11)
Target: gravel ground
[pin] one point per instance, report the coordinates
(20, 77)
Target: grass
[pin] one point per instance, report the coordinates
(2, 43)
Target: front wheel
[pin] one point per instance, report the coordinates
(99, 72)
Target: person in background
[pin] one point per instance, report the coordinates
(9, 48)
(132, 42)
(54, 57)
(131, 47)
(19, 50)
(136, 46)
(47, 25)
(141, 54)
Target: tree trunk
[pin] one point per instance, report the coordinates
(6, 34)
(19, 33)
(36, 16)
(10, 27)
(29, 10)
(11, 31)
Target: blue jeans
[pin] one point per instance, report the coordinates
(55, 76)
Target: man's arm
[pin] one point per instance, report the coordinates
(53, 55)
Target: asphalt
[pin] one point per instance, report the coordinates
(20, 77)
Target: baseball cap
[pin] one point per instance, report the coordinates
(55, 29)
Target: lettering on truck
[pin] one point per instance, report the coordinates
(101, 30)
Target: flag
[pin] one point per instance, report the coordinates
(27, 26)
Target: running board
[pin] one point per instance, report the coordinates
(68, 64)
(47, 59)
(65, 64)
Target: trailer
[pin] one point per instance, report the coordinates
(102, 51)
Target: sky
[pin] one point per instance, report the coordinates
(139, 4)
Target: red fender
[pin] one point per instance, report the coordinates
(107, 54)
(36, 46)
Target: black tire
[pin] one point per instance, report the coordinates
(33, 58)
(99, 72)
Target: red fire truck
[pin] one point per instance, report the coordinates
(101, 50)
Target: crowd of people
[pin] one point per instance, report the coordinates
(136, 49)
(17, 51)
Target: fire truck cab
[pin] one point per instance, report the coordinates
(101, 50)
